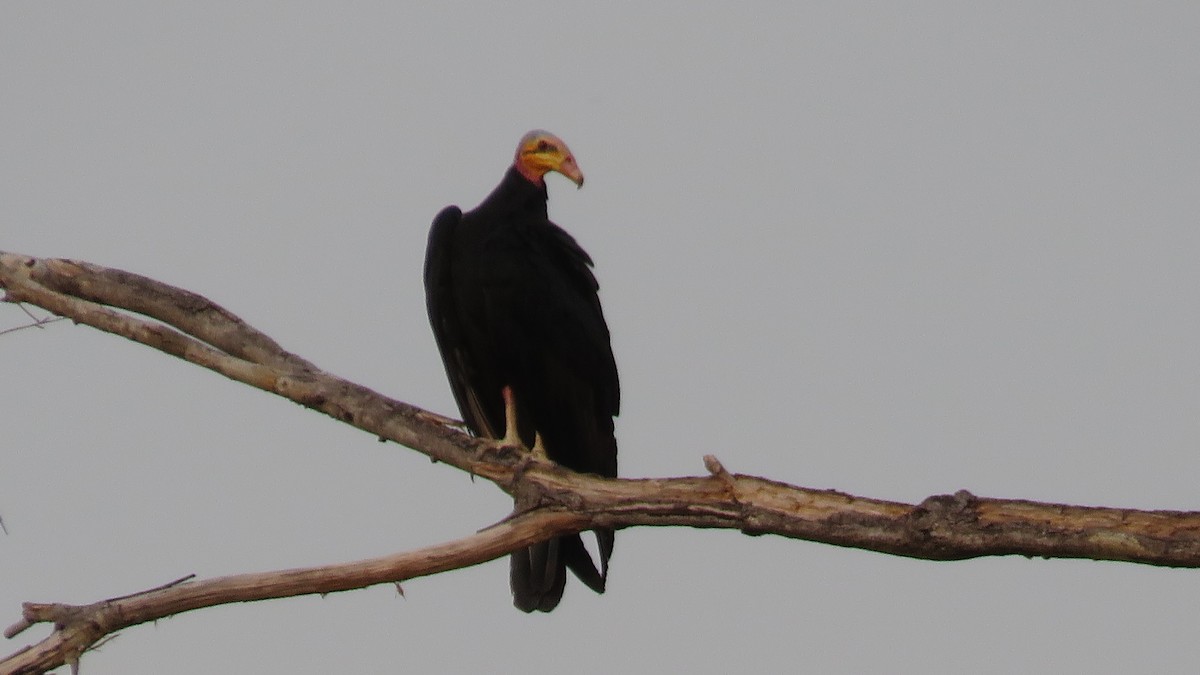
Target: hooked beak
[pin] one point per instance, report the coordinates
(570, 169)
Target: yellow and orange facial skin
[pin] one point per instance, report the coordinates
(541, 152)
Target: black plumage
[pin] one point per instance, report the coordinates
(515, 312)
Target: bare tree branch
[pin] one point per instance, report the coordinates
(551, 501)
(79, 627)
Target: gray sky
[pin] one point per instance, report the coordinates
(893, 250)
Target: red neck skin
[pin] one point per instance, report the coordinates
(530, 173)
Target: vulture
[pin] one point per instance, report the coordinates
(514, 308)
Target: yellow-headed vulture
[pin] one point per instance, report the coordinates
(514, 309)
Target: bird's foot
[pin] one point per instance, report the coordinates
(529, 457)
(512, 438)
(539, 449)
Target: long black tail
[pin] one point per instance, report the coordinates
(539, 573)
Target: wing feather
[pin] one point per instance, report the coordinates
(446, 320)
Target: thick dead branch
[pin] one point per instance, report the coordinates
(947, 527)
(939, 528)
(192, 314)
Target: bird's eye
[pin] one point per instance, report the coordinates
(544, 146)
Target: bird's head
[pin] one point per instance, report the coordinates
(541, 152)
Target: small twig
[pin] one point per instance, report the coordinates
(37, 323)
(718, 470)
(17, 628)
(169, 584)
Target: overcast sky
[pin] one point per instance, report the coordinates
(897, 249)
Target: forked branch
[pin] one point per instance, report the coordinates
(186, 325)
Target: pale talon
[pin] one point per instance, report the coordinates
(511, 436)
(539, 450)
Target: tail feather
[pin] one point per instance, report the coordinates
(538, 574)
